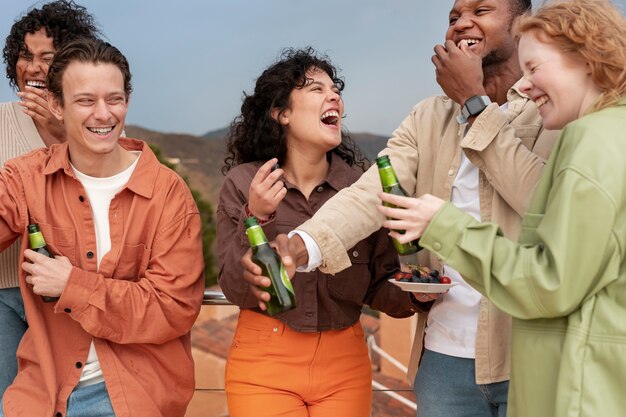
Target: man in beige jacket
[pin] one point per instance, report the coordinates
(482, 146)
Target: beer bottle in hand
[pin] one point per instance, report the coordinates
(38, 244)
(283, 297)
(391, 185)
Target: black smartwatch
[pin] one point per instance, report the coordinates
(473, 107)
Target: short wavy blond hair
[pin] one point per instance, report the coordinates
(592, 30)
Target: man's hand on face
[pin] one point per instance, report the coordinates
(48, 276)
(252, 272)
(35, 104)
(459, 71)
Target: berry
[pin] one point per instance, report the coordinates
(402, 276)
(424, 275)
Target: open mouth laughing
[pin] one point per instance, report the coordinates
(36, 84)
(330, 117)
(468, 42)
(540, 101)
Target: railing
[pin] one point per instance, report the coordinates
(372, 346)
(217, 298)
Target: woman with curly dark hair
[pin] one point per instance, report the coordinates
(46, 29)
(26, 125)
(312, 360)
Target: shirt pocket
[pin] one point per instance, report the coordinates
(352, 284)
(132, 263)
(59, 240)
(527, 135)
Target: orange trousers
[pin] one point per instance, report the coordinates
(274, 371)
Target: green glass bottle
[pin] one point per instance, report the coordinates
(283, 297)
(38, 244)
(391, 185)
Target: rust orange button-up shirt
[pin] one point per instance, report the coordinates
(138, 308)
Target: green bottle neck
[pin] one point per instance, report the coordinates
(36, 240)
(256, 236)
(387, 176)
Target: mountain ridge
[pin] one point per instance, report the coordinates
(201, 160)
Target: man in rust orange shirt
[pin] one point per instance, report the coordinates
(128, 269)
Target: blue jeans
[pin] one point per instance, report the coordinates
(90, 401)
(445, 386)
(12, 328)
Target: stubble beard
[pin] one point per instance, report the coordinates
(499, 56)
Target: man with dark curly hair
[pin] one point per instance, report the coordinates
(26, 125)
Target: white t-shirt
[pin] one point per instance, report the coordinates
(453, 318)
(100, 192)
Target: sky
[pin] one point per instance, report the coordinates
(192, 60)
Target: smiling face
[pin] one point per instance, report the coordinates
(486, 27)
(313, 118)
(33, 62)
(94, 112)
(559, 83)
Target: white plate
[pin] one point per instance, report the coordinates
(422, 287)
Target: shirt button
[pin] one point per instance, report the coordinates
(90, 254)
(451, 172)
(314, 269)
(67, 310)
(79, 365)
(436, 246)
(355, 253)
(275, 329)
(81, 198)
(320, 189)
(58, 415)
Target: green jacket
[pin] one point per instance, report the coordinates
(564, 283)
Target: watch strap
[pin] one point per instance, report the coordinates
(466, 112)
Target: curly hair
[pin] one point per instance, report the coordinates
(63, 20)
(255, 135)
(592, 30)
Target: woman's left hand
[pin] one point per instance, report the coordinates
(411, 215)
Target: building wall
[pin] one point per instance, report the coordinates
(396, 338)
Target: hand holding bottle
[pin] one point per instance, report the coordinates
(253, 272)
(48, 276)
(391, 185)
(410, 214)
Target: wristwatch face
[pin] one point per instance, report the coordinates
(475, 105)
